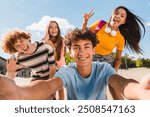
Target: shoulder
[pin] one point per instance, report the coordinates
(66, 72)
(120, 36)
(103, 67)
(71, 66)
(95, 24)
(67, 69)
(101, 64)
(45, 45)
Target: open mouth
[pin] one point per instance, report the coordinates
(25, 49)
(116, 20)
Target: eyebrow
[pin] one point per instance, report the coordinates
(84, 44)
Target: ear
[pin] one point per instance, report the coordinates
(72, 53)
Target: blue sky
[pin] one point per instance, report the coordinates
(33, 15)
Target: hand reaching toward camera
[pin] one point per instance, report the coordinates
(12, 66)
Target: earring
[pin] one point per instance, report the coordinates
(109, 30)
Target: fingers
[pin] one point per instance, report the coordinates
(13, 56)
(20, 66)
(91, 13)
(88, 15)
(11, 64)
(11, 60)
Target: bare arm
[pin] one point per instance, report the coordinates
(117, 60)
(8, 88)
(61, 94)
(130, 88)
(37, 90)
(52, 70)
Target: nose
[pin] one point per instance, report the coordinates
(21, 47)
(119, 15)
(81, 51)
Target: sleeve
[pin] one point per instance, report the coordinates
(110, 71)
(94, 25)
(51, 59)
(121, 43)
(62, 74)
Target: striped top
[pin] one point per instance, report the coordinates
(39, 61)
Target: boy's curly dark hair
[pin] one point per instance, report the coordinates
(84, 34)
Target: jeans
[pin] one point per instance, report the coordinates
(104, 58)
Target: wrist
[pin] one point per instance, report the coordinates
(85, 21)
(11, 75)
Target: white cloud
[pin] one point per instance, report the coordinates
(3, 32)
(148, 24)
(40, 26)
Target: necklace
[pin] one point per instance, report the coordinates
(110, 31)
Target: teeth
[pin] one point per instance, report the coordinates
(82, 59)
(25, 48)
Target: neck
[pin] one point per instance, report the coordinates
(84, 71)
(53, 39)
(33, 48)
(111, 25)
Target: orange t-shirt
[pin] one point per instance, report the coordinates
(107, 42)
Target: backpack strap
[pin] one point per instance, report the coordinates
(99, 26)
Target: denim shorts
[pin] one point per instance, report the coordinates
(104, 58)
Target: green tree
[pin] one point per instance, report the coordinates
(139, 63)
(68, 58)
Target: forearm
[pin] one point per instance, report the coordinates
(52, 71)
(11, 75)
(8, 88)
(117, 64)
(41, 89)
(126, 87)
(84, 24)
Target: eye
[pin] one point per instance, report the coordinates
(75, 48)
(122, 16)
(116, 13)
(87, 47)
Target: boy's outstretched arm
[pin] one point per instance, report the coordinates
(41, 89)
(37, 90)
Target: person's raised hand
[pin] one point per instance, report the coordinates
(88, 15)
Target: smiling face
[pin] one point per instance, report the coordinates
(23, 46)
(118, 17)
(53, 29)
(82, 52)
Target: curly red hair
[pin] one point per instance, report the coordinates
(11, 38)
